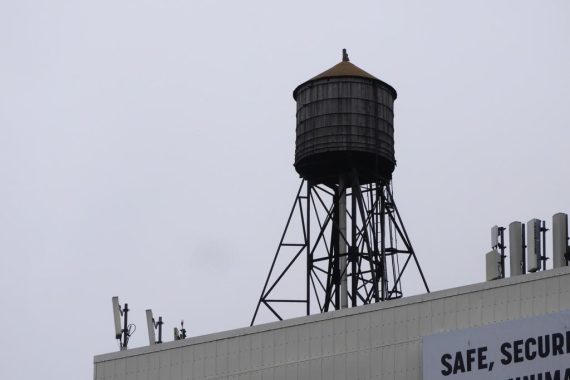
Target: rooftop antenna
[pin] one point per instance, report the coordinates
(533, 253)
(493, 265)
(498, 243)
(122, 334)
(152, 326)
(517, 243)
(560, 240)
(180, 334)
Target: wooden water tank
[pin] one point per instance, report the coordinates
(345, 124)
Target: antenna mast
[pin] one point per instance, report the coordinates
(122, 334)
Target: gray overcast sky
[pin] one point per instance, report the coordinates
(146, 150)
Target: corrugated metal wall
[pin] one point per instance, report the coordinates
(381, 341)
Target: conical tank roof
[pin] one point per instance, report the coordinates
(345, 69)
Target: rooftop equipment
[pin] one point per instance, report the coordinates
(180, 334)
(493, 265)
(152, 325)
(353, 239)
(497, 244)
(560, 255)
(122, 334)
(535, 251)
(517, 248)
(533, 256)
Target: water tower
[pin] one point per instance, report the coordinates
(344, 221)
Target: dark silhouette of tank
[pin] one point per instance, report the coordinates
(345, 124)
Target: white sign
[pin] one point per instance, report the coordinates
(536, 348)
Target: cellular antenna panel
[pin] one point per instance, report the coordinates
(516, 246)
(533, 254)
(150, 327)
(494, 236)
(559, 239)
(493, 265)
(117, 317)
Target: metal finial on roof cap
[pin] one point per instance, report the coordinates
(345, 56)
